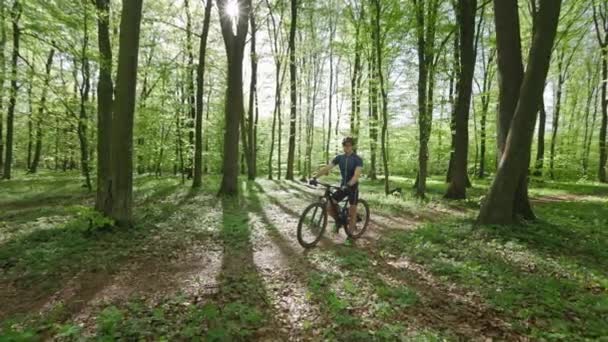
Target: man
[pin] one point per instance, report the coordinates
(351, 167)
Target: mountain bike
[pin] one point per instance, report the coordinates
(313, 220)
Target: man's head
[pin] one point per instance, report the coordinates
(348, 144)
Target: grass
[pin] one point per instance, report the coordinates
(548, 280)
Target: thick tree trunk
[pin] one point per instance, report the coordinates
(10, 118)
(466, 18)
(105, 90)
(41, 109)
(123, 114)
(235, 44)
(292, 88)
(200, 81)
(510, 63)
(503, 201)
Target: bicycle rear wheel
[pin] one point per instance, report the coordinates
(312, 225)
(362, 220)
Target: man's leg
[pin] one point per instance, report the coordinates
(331, 210)
(352, 210)
(352, 217)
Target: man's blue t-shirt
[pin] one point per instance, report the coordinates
(347, 164)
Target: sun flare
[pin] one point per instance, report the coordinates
(232, 8)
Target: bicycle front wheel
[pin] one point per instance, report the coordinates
(312, 225)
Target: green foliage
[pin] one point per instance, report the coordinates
(545, 272)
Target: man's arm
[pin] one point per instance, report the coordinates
(356, 176)
(324, 170)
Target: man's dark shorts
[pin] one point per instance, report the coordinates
(352, 193)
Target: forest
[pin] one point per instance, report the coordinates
(158, 160)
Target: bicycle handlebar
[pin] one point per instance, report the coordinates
(315, 182)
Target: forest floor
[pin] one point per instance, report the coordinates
(198, 267)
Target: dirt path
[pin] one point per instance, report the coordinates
(286, 275)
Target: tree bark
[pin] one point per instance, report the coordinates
(293, 89)
(2, 78)
(105, 90)
(10, 118)
(200, 81)
(502, 203)
(600, 19)
(556, 112)
(466, 18)
(84, 91)
(251, 130)
(355, 82)
(191, 92)
(235, 44)
(511, 74)
(373, 114)
(123, 114)
(540, 150)
(425, 31)
(383, 134)
(278, 84)
(332, 29)
(41, 110)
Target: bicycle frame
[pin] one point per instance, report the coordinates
(327, 198)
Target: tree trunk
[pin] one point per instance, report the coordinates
(591, 130)
(373, 114)
(105, 90)
(251, 153)
(30, 119)
(466, 18)
(510, 63)
(235, 44)
(41, 109)
(84, 91)
(332, 33)
(123, 114)
(191, 91)
(485, 103)
(601, 29)
(293, 94)
(200, 81)
(2, 78)
(10, 118)
(355, 82)
(556, 112)
(503, 201)
(604, 125)
(384, 132)
(540, 150)
(456, 75)
(426, 37)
